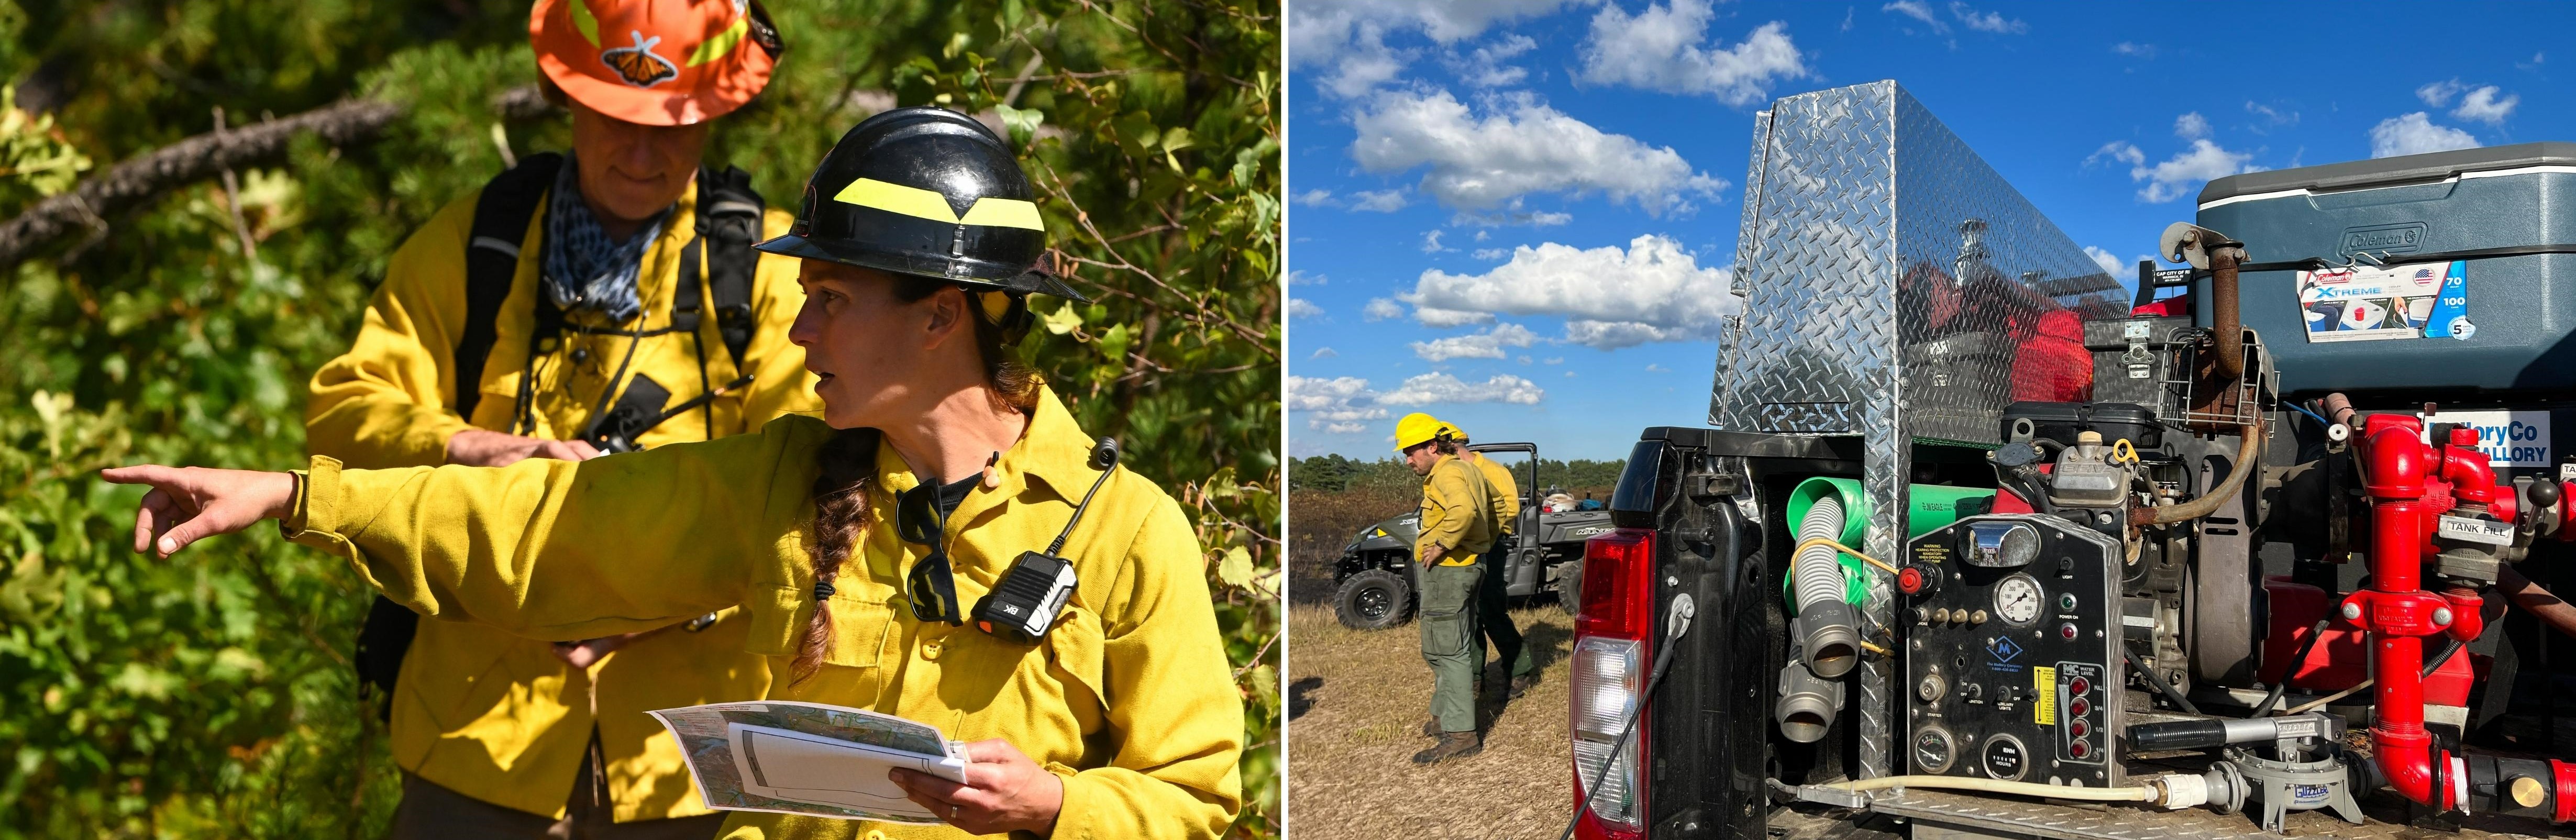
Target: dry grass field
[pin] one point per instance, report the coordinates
(1357, 701)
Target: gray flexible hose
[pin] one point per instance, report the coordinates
(1818, 574)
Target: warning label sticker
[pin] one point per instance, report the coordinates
(2043, 706)
(2376, 303)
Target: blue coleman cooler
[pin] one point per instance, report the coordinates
(2451, 273)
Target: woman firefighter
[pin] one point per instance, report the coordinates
(854, 542)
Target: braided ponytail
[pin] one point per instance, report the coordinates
(848, 463)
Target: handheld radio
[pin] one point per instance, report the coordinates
(1023, 604)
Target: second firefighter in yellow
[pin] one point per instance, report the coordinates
(1456, 527)
(500, 719)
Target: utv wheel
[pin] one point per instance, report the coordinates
(1373, 600)
(1569, 588)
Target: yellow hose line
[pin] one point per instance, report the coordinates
(1828, 541)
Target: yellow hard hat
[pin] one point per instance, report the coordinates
(1415, 429)
(1450, 430)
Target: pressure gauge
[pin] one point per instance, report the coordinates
(2017, 600)
(1933, 750)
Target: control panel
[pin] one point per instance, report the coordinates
(2012, 651)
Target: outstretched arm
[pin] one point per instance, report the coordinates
(545, 549)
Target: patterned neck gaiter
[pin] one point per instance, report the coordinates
(583, 267)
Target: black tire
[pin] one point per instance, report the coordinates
(1373, 600)
(1569, 587)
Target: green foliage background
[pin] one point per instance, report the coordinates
(210, 696)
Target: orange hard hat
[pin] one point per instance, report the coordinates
(655, 62)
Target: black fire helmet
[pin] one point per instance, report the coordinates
(927, 192)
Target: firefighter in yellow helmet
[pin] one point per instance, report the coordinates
(1493, 619)
(892, 555)
(1456, 509)
(579, 304)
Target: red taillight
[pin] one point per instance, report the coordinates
(1613, 642)
(1618, 585)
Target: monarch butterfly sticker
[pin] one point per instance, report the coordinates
(637, 64)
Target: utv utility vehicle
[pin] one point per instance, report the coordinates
(1375, 579)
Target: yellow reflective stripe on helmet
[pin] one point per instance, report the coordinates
(897, 198)
(583, 22)
(716, 47)
(926, 204)
(1004, 212)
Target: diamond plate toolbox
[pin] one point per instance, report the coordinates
(1889, 275)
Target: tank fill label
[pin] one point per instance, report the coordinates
(2375, 303)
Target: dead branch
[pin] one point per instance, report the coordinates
(141, 179)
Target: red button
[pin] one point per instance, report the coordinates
(1910, 581)
(2066, 631)
(2079, 729)
(2079, 707)
(2079, 686)
(2079, 749)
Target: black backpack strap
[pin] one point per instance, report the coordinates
(501, 217)
(491, 260)
(729, 220)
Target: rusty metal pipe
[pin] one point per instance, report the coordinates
(2339, 409)
(2222, 307)
(2208, 502)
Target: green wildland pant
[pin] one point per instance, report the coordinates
(1494, 620)
(1449, 643)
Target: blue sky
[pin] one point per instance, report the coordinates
(1520, 215)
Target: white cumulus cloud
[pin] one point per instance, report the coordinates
(1522, 146)
(2438, 94)
(1442, 388)
(1340, 404)
(2118, 150)
(1916, 10)
(1378, 201)
(2112, 264)
(1302, 308)
(1485, 345)
(2415, 134)
(2191, 126)
(1380, 309)
(1987, 22)
(1344, 41)
(1651, 291)
(2176, 176)
(1662, 49)
(2482, 105)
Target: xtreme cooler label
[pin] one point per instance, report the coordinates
(2373, 303)
(2509, 438)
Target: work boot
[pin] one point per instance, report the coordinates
(1431, 728)
(1452, 745)
(1522, 684)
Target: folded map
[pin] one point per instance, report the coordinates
(809, 758)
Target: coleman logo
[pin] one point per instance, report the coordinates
(2403, 238)
(637, 64)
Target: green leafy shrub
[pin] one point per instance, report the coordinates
(210, 696)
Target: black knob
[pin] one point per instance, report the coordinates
(2544, 493)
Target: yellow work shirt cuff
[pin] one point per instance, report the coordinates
(317, 518)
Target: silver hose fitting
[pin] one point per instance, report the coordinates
(1808, 704)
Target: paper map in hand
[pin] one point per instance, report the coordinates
(809, 758)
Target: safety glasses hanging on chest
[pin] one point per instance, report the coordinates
(1024, 603)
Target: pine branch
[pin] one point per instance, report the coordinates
(141, 179)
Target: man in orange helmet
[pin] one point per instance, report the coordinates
(578, 305)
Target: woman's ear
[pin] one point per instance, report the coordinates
(948, 317)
